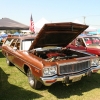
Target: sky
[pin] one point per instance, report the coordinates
(85, 11)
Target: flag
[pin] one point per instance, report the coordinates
(31, 24)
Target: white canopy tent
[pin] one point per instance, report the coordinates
(77, 21)
(89, 29)
(38, 25)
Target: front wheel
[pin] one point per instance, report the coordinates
(34, 83)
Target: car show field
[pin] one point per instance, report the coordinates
(49, 50)
(54, 72)
(46, 60)
(13, 82)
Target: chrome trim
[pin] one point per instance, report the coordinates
(95, 68)
(63, 77)
(48, 68)
(27, 63)
(72, 63)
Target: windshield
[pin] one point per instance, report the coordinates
(92, 41)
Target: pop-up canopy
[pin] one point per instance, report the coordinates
(8, 24)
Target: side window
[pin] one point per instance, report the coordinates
(88, 41)
(17, 45)
(8, 41)
(13, 43)
(80, 42)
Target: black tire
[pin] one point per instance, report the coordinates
(34, 83)
(9, 63)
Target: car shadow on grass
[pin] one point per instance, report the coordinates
(61, 90)
(1, 55)
(11, 92)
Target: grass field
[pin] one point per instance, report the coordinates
(14, 86)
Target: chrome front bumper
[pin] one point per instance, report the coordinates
(47, 81)
(95, 69)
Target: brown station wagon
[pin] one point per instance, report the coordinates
(45, 58)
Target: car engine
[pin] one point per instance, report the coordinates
(56, 54)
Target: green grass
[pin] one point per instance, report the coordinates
(14, 86)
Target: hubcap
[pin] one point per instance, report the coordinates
(7, 61)
(30, 78)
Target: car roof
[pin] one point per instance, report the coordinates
(22, 37)
(81, 36)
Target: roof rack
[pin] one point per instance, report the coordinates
(21, 35)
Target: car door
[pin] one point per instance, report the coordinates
(17, 57)
(7, 49)
(21, 48)
(11, 53)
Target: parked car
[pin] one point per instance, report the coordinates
(45, 58)
(87, 43)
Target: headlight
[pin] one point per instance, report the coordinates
(95, 62)
(49, 71)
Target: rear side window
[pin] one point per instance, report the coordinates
(8, 41)
(13, 43)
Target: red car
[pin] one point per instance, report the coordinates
(90, 44)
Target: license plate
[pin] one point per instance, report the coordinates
(77, 78)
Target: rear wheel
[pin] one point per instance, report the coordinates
(34, 83)
(9, 63)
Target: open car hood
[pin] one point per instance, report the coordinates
(57, 34)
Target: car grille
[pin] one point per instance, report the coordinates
(74, 67)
